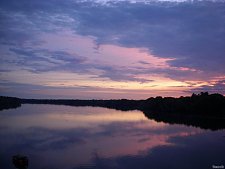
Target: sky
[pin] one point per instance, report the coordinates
(108, 49)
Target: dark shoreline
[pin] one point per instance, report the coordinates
(9, 102)
(204, 110)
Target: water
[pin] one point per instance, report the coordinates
(64, 137)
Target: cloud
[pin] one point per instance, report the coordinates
(217, 87)
(120, 74)
(187, 37)
(192, 33)
(43, 60)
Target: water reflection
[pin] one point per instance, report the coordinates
(86, 137)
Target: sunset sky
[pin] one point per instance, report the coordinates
(108, 49)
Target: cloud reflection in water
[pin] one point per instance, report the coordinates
(68, 137)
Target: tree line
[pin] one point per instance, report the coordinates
(201, 110)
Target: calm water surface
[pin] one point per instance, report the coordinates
(64, 137)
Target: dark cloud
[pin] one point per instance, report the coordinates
(24, 21)
(190, 32)
(218, 87)
(23, 90)
(43, 60)
(120, 74)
